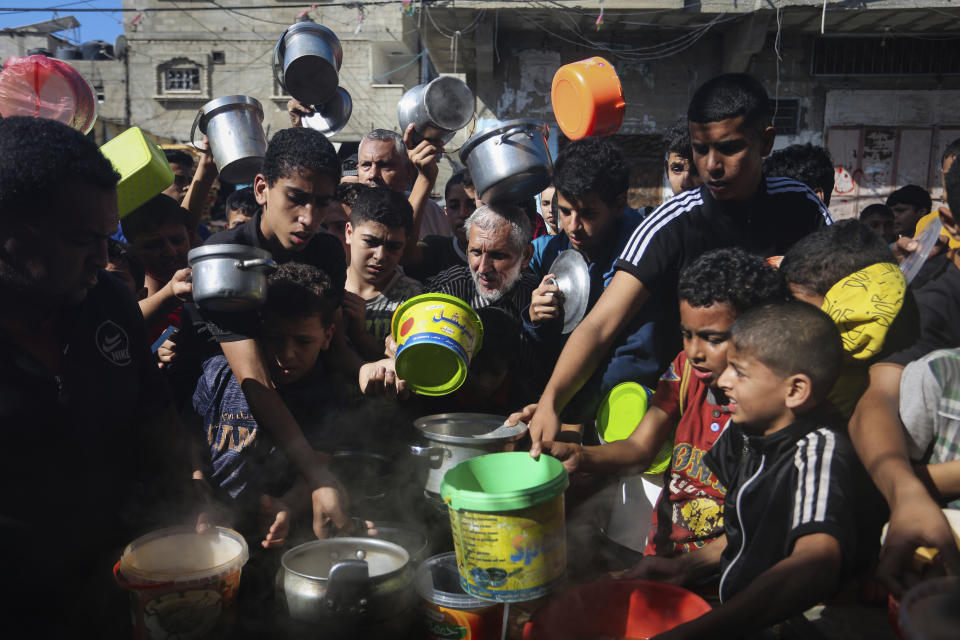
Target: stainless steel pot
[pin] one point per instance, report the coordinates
(455, 437)
(234, 126)
(306, 60)
(346, 582)
(437, 109)
(230, 277)
(332, 116)
(510, 161)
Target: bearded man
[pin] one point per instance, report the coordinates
(498, 252)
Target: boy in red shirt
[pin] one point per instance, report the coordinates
(714, 290)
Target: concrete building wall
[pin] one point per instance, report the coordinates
(233, 52)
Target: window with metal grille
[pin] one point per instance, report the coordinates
(181, 80)
(786, 116)
(874, 56)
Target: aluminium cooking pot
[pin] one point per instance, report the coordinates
(234, 127)
(437, 109)
(230, 277)
(306, 62)
(348, 584)
(510, 161)
(455, 437)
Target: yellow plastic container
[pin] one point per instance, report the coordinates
(144, 170)
(507, 517)
(436, 336)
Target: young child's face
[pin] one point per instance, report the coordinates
(729, 156)
(335, 221)
(882, 224)
(756, 393)
(458, 208)
(586, 221)
(375, 251)
(705, 332)
(294, 344)
(235, 218)
(164, 250)
(680, 173)
(293, 206)
(905, 217)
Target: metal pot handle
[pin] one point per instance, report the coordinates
(513, 131)
(346, 585)
(430, 452)
(267, 263)
(276, 60)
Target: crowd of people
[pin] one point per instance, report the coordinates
(808, 392)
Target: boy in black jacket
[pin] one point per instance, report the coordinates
(789, 515)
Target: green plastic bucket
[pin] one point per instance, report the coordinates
(507, 518)
(436, 336)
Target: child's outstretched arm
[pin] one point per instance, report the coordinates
(807, 576)
(638, 451)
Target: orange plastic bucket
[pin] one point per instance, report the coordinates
(587, 98)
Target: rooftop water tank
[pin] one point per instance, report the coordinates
(97, 50)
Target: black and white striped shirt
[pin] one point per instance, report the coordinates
(803, 479)
(693, 222)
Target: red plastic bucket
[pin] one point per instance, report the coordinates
(615, 608)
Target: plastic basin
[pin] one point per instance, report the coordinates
(615, 608)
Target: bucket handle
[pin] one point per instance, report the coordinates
(193, 130)
(276, 59)
(267, 263)
(126, 584)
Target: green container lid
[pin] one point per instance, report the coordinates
(503, 482)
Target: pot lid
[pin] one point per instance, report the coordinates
(519, 123)
(331, 117)
(315, 560)
(468, 428)
(238, 251)
(573, 278)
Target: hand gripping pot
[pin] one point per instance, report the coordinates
(437, 335)
(510, 161)
(182, 582)
(234, 126)
(230, 277)
(507, 519)
(306, 61)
